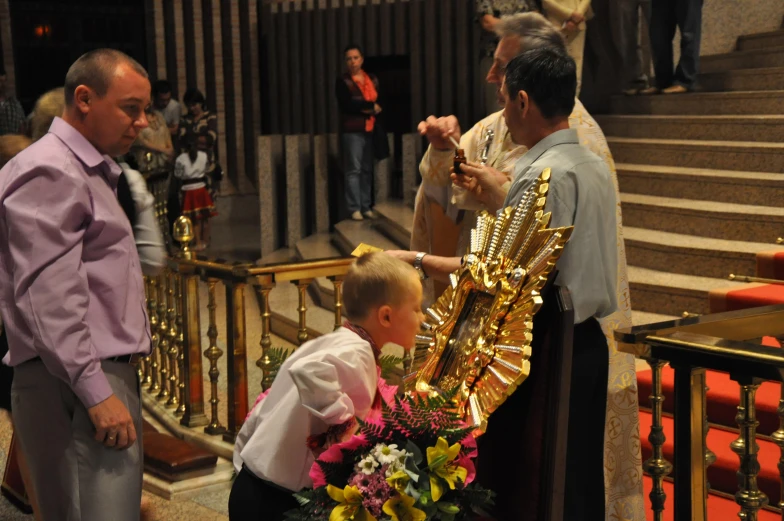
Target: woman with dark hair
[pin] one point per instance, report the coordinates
(199, 123)
(357, 93)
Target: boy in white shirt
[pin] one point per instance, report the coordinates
(322, 387)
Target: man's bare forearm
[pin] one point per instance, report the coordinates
(434, 266)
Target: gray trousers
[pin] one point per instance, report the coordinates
(75, 476)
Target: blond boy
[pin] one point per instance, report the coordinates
(322, 387)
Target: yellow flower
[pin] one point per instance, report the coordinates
(440, 460)
(401, 508)
(399, 480)
(350, 507)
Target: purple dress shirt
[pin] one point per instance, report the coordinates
(71, 288)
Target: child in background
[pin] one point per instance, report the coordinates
(322, 387)
(197, 204)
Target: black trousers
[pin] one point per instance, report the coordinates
(6, 375)
(510, 460)
(666, 15)
(253, 499)
(587, 410)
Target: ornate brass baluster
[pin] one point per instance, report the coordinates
(213, 353)
(778, 438)
(656, 465)
(181, 372)
(748, 496)
(154, 337)
(163, 333)
(174, 399)
(302, 287)
(236, 358)
(264, 363)
(337, 281)
(710, 456)
(189, 325)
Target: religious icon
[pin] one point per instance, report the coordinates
(478, 333)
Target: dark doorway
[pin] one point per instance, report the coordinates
(394, 78)
(49, 35)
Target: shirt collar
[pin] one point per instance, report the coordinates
(561, 137)
(84, 150)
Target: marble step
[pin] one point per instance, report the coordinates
(761, 41)
(702, 103)
(671, 294)
(728, 186)
(769, 78)
(350, 234)
(315, 247)
(768, 128)
(689, 254)
(748, 59)
(733, 222)
(396, 221)
(720, 155)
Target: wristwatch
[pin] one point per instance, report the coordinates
(418, 265)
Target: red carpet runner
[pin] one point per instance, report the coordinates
(723, 397)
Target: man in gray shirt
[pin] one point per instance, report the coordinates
(166, 105)
(539, 91)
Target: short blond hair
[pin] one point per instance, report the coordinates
(10, 145)
(375, 280)
(48, 106)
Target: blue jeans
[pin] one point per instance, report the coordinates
(665, 16)
(358, 167)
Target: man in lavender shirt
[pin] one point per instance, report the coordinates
(72, 298)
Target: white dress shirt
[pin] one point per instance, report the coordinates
(326, 381)
(185, 169)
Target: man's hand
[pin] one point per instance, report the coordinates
(113, 423)
(438, 131)
(488, 22)
(570, 27)
(376, 108)
(484, 182)
(404, 255)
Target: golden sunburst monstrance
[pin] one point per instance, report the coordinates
(478, 333)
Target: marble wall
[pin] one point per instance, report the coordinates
(724, 20)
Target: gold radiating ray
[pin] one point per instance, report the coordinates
(479, 332)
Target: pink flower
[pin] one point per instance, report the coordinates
(467, 456)
(334, 454)
(375, 490)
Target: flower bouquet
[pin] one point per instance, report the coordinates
(411, 462)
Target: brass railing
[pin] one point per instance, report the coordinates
(692, 345)
(174, 371)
